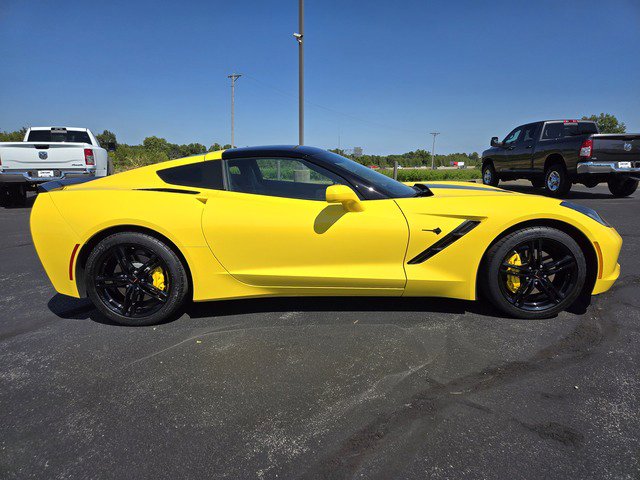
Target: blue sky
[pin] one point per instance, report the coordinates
(379, 74)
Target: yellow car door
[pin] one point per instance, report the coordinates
(272, 227)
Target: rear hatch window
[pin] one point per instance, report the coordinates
(65, 136)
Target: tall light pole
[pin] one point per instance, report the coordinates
(433, 149)
(300, 38)
(233, 77)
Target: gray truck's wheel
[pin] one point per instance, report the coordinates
(622, 187)
(556, 180)
(489, 176)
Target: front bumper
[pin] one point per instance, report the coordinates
(31, 176)
(604, 168)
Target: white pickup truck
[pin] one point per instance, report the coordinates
(50, 153)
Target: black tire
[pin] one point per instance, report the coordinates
(489, 175)
(556, 180)
(542, 291)
(622, 187)
(537, 182)
(120, 283)
(17, 195)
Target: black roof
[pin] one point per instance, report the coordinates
(272, 150)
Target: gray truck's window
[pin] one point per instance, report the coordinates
(67, 136)
(529, 133)
(553, 130)
(207, 174)
(513, 136)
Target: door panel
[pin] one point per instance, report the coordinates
(522, 153)
(505, 160)
(272, 241)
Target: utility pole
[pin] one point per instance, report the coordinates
(300, 38)
(233, 77)
(433, 150)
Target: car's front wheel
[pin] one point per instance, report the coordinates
(535, 272)
(135, 279)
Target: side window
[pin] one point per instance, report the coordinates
(529, 133)
(202, 174)
(514, 136)
(280, 177)
(553, 130)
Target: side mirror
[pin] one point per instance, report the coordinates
(344, 195)
(111, 147)
(495, 142)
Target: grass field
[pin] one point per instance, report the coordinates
(418, 174)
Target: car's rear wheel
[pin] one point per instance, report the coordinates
(489, 176)
(556, 180)
(136, 279)
(622, 187)
(535, 272)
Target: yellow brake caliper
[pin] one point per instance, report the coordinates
(158, 278)
(513, 281)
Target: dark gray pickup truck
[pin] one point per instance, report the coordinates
(555, 154)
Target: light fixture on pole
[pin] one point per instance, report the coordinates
(233, 77)
(433, 150)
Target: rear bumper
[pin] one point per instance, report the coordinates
(604, 168)
(31, 176)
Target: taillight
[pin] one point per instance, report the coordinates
(88, 156)
(586, 148)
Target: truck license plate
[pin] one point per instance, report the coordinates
(624, 164)
(45, 173)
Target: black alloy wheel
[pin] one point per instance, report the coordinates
(125, 281)
(135, 279)
(535, 272)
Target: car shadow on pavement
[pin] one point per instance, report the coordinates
(82, 309)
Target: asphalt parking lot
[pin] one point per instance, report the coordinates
(319, 388)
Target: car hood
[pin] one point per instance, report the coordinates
(462, 189)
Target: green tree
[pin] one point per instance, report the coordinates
(16, 136)
(607, 123)
(106, 137)
(215, 147)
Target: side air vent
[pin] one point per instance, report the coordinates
(169, 190)
(464, 228)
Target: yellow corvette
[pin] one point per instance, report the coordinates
(300, 221)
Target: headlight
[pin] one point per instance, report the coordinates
(589, 212)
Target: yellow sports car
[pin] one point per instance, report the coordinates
(301, 221)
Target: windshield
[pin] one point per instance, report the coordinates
(382, 184)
